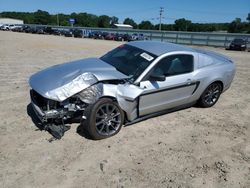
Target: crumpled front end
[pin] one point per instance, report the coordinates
(60, 104)
(68, 97)
(62, 81)
(66, 88)
(50, 111)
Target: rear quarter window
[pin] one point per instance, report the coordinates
(204, 61)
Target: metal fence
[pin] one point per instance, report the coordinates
(215, 39)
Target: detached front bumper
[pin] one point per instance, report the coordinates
(45, 113)
(45, 116)
(39, 113)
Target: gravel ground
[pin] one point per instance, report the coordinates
(189, 148)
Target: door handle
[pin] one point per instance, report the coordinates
(189, 81)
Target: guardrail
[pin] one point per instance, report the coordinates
(180, 37)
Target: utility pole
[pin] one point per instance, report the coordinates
(57, 18)
(161, 12)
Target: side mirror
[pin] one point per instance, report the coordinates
(159, 78)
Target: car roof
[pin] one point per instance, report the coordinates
(159, 48)
(240, 39)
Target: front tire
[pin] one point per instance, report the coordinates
(211, 95)
(104, 119)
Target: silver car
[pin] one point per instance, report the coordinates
(135, 81)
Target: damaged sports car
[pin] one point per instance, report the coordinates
(135, 81)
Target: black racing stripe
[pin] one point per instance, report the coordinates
(171, 88)
(167, 89)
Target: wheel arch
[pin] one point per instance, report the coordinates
(219, 82)
(201, 98)
(108, 97)
(114, 99)
(211, 82)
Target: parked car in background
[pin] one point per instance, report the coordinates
(56, 32)
(32, 30)
(126, 37)
(137, 36)
(5, 27)
(40, 30)
(48, 30)
(238, 44)
(13, 27)
(17, 28)
(119, 37)
(133, 82)
(26, 29)
(110, 36)
(52, 31)
(96, 35)
(78, 33)
(104, 34)
(68, 32)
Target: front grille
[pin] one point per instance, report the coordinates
(44, 103)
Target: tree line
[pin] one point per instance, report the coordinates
(104, 21)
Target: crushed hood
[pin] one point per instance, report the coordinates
(62, 81)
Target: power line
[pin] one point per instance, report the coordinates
(133, 11)
(175, 18)
(205, 12)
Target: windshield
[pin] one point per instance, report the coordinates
(239, 41)
(129, 60)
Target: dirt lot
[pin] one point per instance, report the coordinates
(189, 148)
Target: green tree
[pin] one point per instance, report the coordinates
(248, 17)
(146, 25)
(86, 20)
(235, 26)
(165, 27)
(131, 22)
(91, 20)
(103, 21)
(182, 24)
(42, 17)
(113, 20)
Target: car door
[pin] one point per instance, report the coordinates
(177, 88)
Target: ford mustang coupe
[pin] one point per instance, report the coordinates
(133, 82)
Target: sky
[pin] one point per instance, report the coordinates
(202, 11)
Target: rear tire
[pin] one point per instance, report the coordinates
(211, 95)
(104, 119)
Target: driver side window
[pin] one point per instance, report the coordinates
(174, 65)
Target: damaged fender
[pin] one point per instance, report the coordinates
(122, 92)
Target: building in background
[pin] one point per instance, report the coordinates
(10, 21)
(123, 26)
